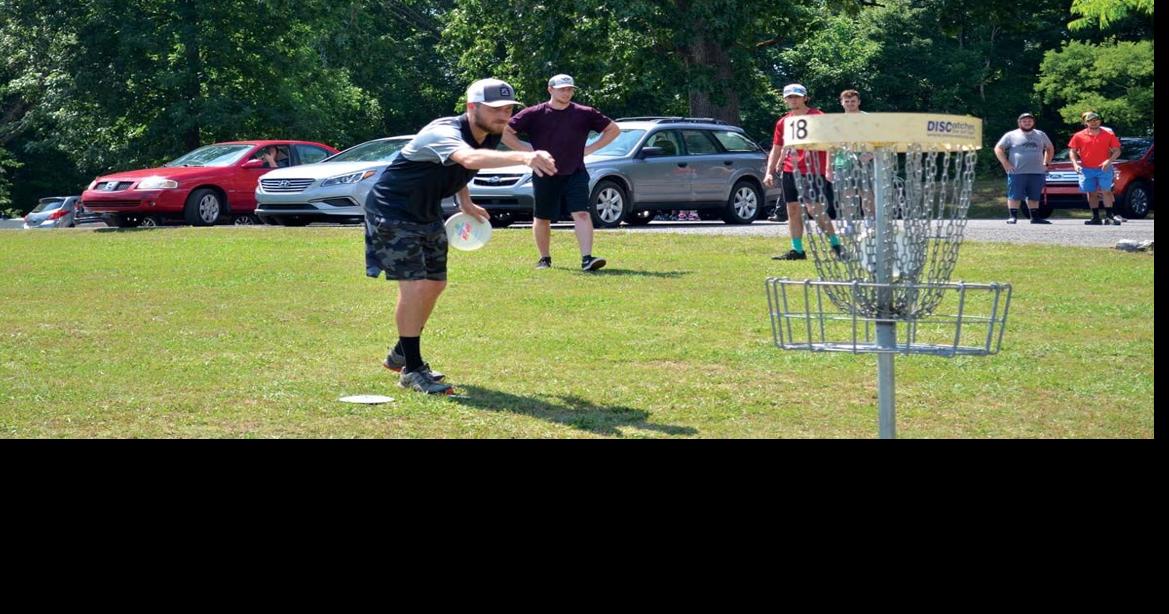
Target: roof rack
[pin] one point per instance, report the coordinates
(673, 120)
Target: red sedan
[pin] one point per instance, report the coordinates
(202, 187)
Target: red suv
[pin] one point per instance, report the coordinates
(210, 183)
(1132, 186)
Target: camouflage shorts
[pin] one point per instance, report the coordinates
(405, 250)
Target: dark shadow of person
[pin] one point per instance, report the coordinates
(570, 411)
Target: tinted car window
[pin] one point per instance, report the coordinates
(309, 154)
(698, 143)
(734, 141)
(668, 141)
(620, 146)
(211, 155)
(372, 151)
(51, 204)
(1133, 149)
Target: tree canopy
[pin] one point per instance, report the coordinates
(99, 85)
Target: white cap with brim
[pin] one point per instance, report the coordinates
(795, 89)
(491, 92)
(560, 81)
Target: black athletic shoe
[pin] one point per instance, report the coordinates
(544, 263)
(396, 362)
(791, 255)
(1093, 222)
(1036, 220)
(591, 264)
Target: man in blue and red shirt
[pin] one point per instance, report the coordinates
(812, 167)
(561, 127)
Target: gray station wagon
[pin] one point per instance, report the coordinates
(656, 164)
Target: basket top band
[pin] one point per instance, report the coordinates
(899, 131)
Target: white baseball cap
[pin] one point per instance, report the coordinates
(491, 92)
(560, 81)
(795, 89)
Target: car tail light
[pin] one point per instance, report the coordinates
(58, 214)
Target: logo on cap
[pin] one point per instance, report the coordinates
(794, 89)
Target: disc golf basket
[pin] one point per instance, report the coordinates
(902, 185)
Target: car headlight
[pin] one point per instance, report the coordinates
(157, 183)
(350, 178)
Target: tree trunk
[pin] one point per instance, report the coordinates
(711, 79)
(192, 70)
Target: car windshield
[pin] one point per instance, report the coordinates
(212, 155)
(621, 146)
(48, 204)
(371, 151)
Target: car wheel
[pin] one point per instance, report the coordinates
(609, 204)
(203, 208)
(245, 220)
(744, 203)
(640, 218)
(501, 220)
(124, 221)
(151, 221)
(1137, 201)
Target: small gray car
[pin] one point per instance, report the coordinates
(656, 164)
(58, 212)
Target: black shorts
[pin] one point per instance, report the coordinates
(791, 195)
(406, 251)
(560, 193)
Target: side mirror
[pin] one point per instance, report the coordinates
(650, 152)
(254, 164)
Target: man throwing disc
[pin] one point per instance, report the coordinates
(404, 233)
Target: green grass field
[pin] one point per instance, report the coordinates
(255, 333)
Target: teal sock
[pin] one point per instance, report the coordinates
(834, 240)
(798, 245)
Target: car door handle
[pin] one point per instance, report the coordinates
(682, 164)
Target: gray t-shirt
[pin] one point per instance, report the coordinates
(1025, 150)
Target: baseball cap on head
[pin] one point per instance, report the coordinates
(491, 92)
(1022, 116)
(560, 81)
(1088, 115)
(794, 89)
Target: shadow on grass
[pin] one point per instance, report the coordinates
(634, 272)
(570, 411)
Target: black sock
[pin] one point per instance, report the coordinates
(1025, 210)
(1096, 213)
(586, 257)
(412, 349)
(1108, 212)
(1014, 213)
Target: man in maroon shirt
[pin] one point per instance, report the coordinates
(561, 128)
(784, 162)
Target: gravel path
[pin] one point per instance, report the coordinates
(1060, 232)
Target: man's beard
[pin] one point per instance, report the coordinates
(1026, 129)
(475, 119)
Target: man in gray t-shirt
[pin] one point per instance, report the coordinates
(1024, 154)
(404, 234)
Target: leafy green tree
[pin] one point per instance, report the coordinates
(1115, 80)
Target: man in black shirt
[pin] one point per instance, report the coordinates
(404, 234)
